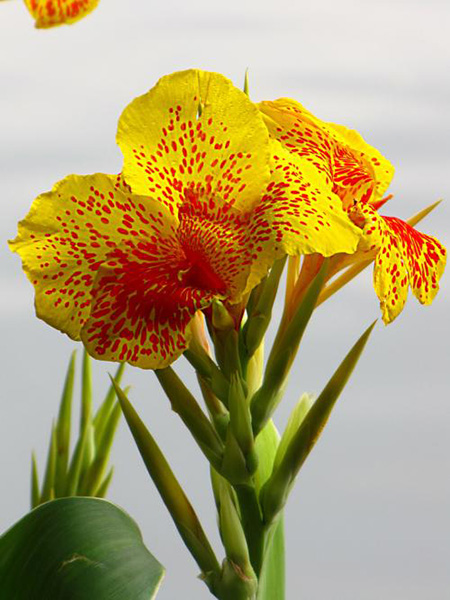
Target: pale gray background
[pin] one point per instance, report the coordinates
(369, 519)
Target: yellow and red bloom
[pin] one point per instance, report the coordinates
(359, 175)
(205, 205)
(49, 13)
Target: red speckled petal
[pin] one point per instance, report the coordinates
(70, 232)
(299, 214)
(405, 257)
(122, 273)
(49, 13)
(170, 149)
(357, 170)
(143, 306)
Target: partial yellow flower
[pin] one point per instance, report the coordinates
(49, 13)
(359, 175)
(126, 272)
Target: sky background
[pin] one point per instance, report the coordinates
(369, 517)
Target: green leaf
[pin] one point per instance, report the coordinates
(272, 577)
(48, 487)
(35, 493)
(277, 488)
(92, 480)
(63, 428)
(86, 413)
(77, 549)
(171, 492)
(104, 486)
(76, 464)
(282, 355)
(104, 411)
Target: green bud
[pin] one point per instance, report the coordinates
(261, 312)
(240, 418)
(295, 420)
(221, 318)
(234, 464)
(233, 536)
(187, 407)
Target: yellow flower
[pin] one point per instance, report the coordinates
(205, 205)
(359, 175)
(49, 13)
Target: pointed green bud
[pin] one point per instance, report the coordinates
(240, 422)
(209, 371)
(295, 420)
(255, 369)
(232, 534)
(221, 318)
(187, 407)
(260, 314)
(234, 464)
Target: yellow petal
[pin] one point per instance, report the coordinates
(170, 148)
(299, 214)
(67, 236)
(49, 13)
(405, 257)
(356, 169)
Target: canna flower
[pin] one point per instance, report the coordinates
(126, 274)
(49, 13)
(201, 211)
(359, 175)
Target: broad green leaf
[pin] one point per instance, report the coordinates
(77, 549)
